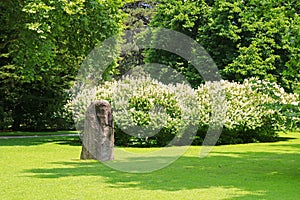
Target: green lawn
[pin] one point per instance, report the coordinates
(49, 168)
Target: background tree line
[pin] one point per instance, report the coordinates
(43, 42)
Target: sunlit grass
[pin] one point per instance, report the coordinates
(49, 168)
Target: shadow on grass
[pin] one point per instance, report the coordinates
(279, 139)
(63, 140)
(264, 175)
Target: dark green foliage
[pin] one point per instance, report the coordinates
(245, 38)
(138, 16)
(230, 136)
(263, 35)
(187, 18)
(43, 43)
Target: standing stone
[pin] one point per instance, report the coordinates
(98, 134)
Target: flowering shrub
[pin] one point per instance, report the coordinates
(284, 104)
(255, 110)
(79, 103)
(150, 113)
(147, 110)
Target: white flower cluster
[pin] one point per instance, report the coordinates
(79, 103)
(149, 105)
(250, 105)
(142, 104)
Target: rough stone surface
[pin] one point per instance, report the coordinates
(98, 134)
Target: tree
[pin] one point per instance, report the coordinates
(138, 16)
(245, 38)
(249, 39)
(43, 43)
(185, 17)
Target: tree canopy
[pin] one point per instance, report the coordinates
(43, 43)
(245, 38)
